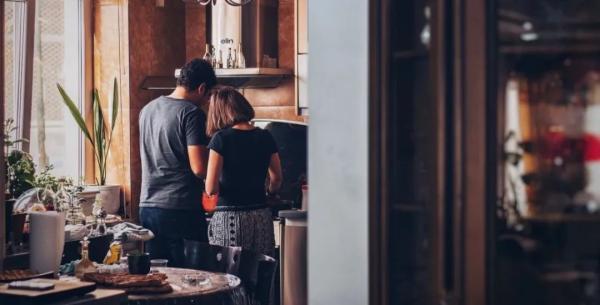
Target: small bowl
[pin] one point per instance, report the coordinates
(159, 262)
(195, 279)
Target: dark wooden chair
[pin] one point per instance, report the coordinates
(257, 272)
(203, 256)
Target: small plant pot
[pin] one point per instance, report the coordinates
(138, 263)
(109, 196)
(87, 199)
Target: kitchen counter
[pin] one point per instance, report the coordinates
(293, 257)
(293, 214)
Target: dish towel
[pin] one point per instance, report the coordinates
(127, 231)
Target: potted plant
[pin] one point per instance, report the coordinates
(100, 138)
(20, 169)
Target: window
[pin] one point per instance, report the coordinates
(9, 59)
(56, 53)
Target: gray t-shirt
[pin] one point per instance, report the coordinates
(167, 127)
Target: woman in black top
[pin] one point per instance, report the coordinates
(241, 157)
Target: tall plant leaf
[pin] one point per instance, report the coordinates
(100, 135)
(75, 113)
(115, 107)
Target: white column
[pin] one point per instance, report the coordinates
(338, 152)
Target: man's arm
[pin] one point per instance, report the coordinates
(198, 155)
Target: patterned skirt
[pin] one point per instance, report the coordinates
(251, 230)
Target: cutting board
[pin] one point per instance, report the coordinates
(62, 290)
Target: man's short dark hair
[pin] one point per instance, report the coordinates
(195, 73)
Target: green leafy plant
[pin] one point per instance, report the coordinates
(9, 142)
(100, 136)
(21, 172)
(20, 169)
(45, 180)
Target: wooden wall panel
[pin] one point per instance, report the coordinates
(134, 39)
(110, 58)
(280, 103)
(195, 31)
(475, 210)
(156, 47)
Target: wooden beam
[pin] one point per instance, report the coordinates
(475, 204)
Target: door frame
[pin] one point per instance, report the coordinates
(465, 100)
(379, 201)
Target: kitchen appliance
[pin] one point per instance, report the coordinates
(291, 139)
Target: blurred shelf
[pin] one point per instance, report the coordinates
(238, 78)
(562, 218)
(549, 49)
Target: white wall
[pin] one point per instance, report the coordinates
(338, 152)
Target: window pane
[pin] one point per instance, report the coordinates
(548, 233)
(52, 141)
(9, 24)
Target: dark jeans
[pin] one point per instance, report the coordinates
(170, 228)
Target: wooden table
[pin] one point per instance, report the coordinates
(220, 289)
(97, 297)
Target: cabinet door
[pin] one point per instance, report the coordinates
(411, 149)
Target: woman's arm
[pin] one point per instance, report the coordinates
(275, 176)
(215, 165)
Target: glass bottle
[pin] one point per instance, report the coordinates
(235, 61)
(62, 198)
(114, 253)
(220, 61)
(213, 59)
(229, 59)
(85, 265)
(46, 197)
(240, 59)
(207, 54)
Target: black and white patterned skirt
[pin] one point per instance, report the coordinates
(249, 229)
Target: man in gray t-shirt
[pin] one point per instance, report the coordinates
(174, 156)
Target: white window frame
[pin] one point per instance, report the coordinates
(78, 73)
(22, 37)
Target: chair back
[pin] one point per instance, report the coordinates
(203, 256)
(257, 272)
